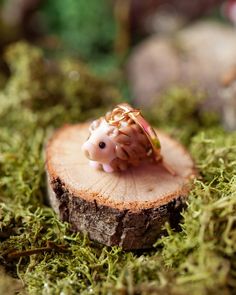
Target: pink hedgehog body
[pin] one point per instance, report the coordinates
(116, 142)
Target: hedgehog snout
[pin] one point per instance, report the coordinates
(86, 148)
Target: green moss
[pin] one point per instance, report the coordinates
(200, 259)
(86, 27)
(181, 113)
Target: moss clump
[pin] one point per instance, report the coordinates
(181, 112)
(40, 250)
(65, 89)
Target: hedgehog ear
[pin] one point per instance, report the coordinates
(113, 131)
(95, 124)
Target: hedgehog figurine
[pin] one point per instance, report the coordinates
(120, 139)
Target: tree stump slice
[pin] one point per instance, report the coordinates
(128, 208)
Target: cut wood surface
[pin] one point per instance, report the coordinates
(123, 208)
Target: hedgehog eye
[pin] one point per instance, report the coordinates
(102, 144)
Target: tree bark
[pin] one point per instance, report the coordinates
(128, 208)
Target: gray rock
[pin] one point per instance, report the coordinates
(198, 56)
(153, 66)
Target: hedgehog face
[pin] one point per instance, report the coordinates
(100, 146)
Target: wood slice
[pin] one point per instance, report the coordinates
(127, 208)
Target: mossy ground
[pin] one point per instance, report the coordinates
(41, 252)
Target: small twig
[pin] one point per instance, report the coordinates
(50, 246)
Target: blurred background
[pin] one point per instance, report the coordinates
(143, 47)
(67, 61)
